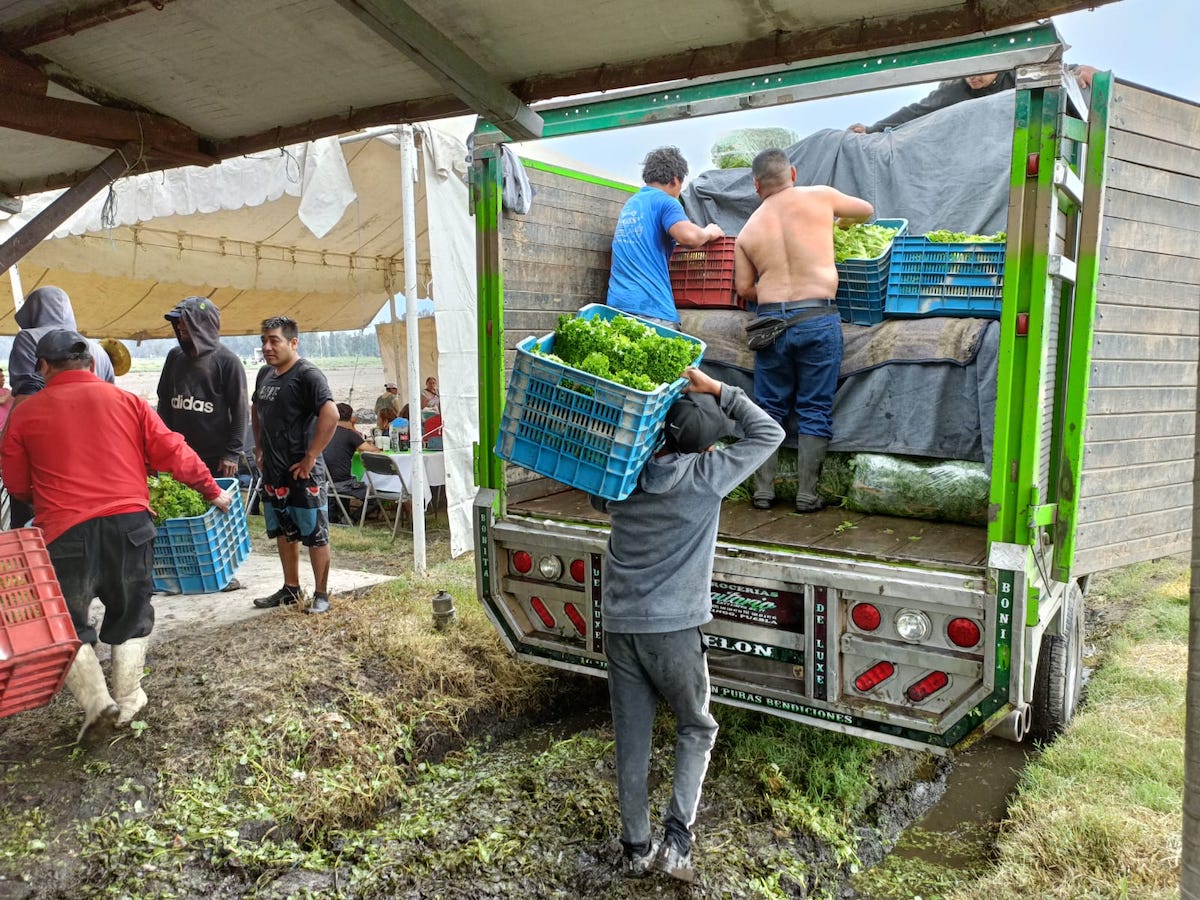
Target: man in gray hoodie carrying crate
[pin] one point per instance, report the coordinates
(657, 593)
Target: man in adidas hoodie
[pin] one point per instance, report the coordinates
(202, 390)
(657, 579)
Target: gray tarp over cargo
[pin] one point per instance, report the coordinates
(949, 169)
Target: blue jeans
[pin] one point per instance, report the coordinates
(800, 371)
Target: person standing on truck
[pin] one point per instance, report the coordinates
(956, 90)
(87, 484)
(656, 594)
(783, 259)
(651, 223)
(202, 388)
(293, 416)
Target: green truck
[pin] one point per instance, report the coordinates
(920, 634)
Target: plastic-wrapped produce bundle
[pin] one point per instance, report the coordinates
(737, 149)
(952, 491)
(836, 475)
(833, 485)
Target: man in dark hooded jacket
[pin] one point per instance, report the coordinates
(202, 390)
(45, 309)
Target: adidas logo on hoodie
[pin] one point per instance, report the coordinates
(191, 403)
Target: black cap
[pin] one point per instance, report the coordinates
(695, 422)
(62, 344)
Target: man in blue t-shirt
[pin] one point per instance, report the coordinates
(652, 222)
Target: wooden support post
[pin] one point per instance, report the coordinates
(41, 225)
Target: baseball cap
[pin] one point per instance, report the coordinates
(695, 422)
(390, 386)
(62, 344)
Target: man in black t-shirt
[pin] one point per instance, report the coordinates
(293, 418)
(339, 454)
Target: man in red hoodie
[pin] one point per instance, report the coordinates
(94, 511)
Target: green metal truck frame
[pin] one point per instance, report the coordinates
(1025, 676)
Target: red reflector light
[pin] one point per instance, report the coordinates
(576, 619)
(544, 614)
(577, 570)
(522, 562)
(963, 632)
(930, 684)
(865, 616)
(1023, 324)
(877, 674)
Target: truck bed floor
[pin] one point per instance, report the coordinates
(831, 530)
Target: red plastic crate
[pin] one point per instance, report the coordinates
(703, 276)
(37, 640)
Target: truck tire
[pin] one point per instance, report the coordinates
(1059, 678)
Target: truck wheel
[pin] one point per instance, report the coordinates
(1059, 679)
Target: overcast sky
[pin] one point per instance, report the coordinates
(1151, 42)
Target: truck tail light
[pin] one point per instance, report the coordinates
(963, 632)
(865, 616)
(544, 614)
(927, 686)
(522, 562)
(576, 619)
(550, 568)
(578, 571)
(876, 675)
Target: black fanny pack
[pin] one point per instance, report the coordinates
(764, 331)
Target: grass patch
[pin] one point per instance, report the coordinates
(1097, 815)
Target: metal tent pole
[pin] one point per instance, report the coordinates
(408, 169)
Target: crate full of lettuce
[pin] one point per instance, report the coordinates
(198, 548)
(585, 405)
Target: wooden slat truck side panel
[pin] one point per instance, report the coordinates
(555, 260)
(1136, 488)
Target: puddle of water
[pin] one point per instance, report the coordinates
(956, 837)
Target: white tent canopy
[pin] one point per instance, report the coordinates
(270, 234)
(314, 231)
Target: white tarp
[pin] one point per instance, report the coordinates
(452, 262)
(313, 231)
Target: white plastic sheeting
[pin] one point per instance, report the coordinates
(452, 263)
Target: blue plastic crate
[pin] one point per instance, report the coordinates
(582, 430)
(200, 554)
(862, 283)
(956, 279)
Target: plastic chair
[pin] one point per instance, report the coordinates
(253, 492)
(380, 465)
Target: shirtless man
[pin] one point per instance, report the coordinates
(784, 260)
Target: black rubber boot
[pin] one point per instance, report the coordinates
(810, 453)
(764, 482)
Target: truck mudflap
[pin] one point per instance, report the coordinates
(910, 656)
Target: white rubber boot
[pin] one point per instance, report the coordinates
(85, 681)
(128, 661)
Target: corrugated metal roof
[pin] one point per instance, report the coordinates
(223, 77)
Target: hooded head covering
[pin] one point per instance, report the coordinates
(46, 307)
(203, 322)
(695, 422)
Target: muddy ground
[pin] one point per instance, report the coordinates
(366, 755)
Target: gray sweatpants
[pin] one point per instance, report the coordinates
(641, 668)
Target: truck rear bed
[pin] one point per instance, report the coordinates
(836, 531)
